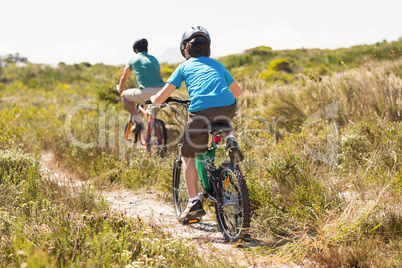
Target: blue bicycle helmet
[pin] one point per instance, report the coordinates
(194, 34)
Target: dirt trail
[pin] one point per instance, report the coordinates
(149, 206)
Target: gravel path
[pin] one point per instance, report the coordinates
(150, 207)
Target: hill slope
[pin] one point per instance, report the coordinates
(285, 65)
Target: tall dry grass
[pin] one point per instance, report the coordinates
(304, 210)
(371, 91)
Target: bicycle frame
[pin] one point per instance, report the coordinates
(145, 137)
(205, 162)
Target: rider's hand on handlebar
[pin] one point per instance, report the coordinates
(120, 90)
(150, 101)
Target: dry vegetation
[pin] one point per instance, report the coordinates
(323, 168)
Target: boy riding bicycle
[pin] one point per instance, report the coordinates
(213, 93)
(147, 73)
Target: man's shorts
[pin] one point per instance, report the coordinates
(140, 95)
(195, 141)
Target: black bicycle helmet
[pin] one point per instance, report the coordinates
(140, 44)
(194, 34)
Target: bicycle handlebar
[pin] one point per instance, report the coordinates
(171, 99)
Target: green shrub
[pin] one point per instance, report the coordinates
(355, 148)
(234, 61)
(109, 94)
(166, 72)
(280, 65)
(260, 51)
(47, 223)
(16, 166)
(297, 191)
(267, 75)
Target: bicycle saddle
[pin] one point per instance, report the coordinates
(219, 127)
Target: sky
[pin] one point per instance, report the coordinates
(51, 31)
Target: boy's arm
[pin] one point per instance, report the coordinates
(163, 94)
(124, 78)
(235, 89)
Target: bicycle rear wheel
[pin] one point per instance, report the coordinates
(180, 196)
(233, 210)
(158, 138)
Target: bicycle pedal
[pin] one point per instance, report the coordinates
(193, 221)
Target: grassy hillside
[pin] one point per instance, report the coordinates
(287, 65)
(323, 159)
(47, 224)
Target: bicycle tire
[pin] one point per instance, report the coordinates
(180, 196)
(159, 137)
(233, 210)
(136, 136)
(132, 133)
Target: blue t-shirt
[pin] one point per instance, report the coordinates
(207, 83)
(146, 70)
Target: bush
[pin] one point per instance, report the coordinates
(16, 166)
(46, 223)
(166, 72)
(274, 76)
(267, 75)
(355, 148)
(296, 189)
(260, 51)
(109, 94)
(234, 61)
(280, 65)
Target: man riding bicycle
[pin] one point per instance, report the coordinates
(213, 93)
(147, 73)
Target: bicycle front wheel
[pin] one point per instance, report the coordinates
(180, 196)
(233, 208)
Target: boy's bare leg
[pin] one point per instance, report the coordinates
(190, 176)
(194, 207)
(132, 108)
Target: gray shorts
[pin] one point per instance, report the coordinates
(140, 95)
(195, 142)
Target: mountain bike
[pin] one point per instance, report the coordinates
(225, 186)
(154, 136)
